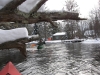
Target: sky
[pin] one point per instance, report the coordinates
(84, 5)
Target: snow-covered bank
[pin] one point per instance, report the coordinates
(53, 41)
(13, 34)
(85, 41)
(89, 41)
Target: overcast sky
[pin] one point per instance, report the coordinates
(85, 5)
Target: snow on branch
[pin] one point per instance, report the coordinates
(13, 34)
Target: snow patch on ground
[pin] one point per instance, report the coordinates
(53, 41)
(89, 41)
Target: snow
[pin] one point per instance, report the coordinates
(91, 41)
(13, 34)
(88, 41)
(32, 42)
(89, 32)
(35, 36)
(53, 41)
(59, 33)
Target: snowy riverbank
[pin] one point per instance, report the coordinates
(91, 41)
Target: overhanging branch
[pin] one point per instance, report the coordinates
(48, 17)
(33, 10)
(37, 6)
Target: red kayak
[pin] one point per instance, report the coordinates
(9, 69)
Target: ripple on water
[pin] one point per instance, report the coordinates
(57, 59)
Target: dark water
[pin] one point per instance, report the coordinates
(56, 59)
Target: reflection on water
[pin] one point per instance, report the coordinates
(10, 55)
(56, 59)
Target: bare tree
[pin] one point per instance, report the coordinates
(95, 20)
(71, 6)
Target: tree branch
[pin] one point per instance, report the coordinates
(19, 44)
(37, 6)
(48, 17)
(65, 15)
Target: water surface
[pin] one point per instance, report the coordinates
(56, 59)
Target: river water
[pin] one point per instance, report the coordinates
(56, 59)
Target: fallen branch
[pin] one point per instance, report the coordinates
(17, 38)
(19, 44)
(40, 17)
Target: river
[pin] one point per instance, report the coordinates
(56, 59)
